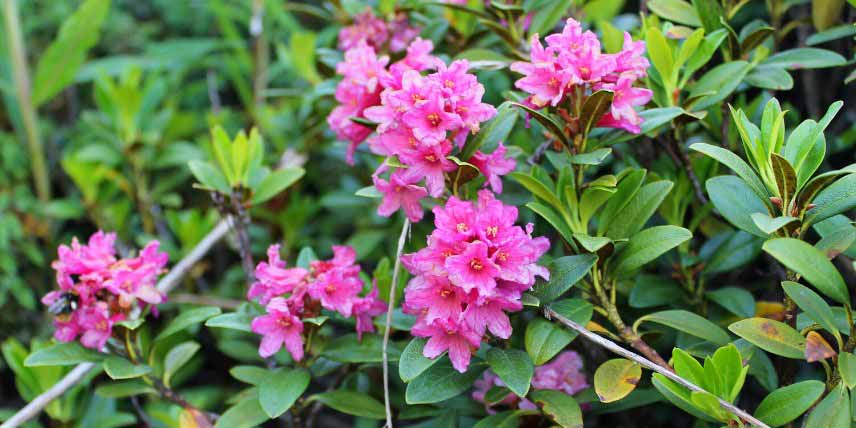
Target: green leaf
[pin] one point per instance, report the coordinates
(543, 340)
(656, 117)
(788, 403)
(208, 176)
(545, 18)
(62, 354)
(594, 157)
(564, 273)
(785, 175)
(835, 199)
(507, 419)
(514, 367)
(412, 362)
(772, 336)
(732, 161)
(770, 225)
(493, 132)
(736, 202)
(349, 349)
(281, 389)
(678, 11)
(120, 368)
(774, 78)
(248, 413)
(616, 378)
(593, 109)
(832, 412)
(177, 357)
(660, 53)
(548, 122)
(352, 403)
(249, 374)
(124, 389)
(652, 290)
(722, 80)
(647, 245)
(62, 59)
(689, 323)
(538, 189)
(834, 33)
(811, 263)
(440, 383)
(233, 321)
(302, 50)
(552, 217)
(637, 210)
(736, 300)
(276, 182)
(561, 408)
(800, 58)
(812, 304)
(847, 368)
(187, 319)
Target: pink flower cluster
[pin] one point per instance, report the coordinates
(293, 294)
(421, 118)
(96, 289)
(376, 32)
(572, 65)
(475, 268)
(564, 374)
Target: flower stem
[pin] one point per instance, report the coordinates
(405, 228)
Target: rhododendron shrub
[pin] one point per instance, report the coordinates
(529, 214)
(97, 289)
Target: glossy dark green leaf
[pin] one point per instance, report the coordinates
(646, 246)
(564, 273)
(560, 407)
(188, 319)
(441, 382)
(811, 263)
(281, 389)
(689, 323)
(412, 362)
(63, 354)
(788, 403)
(514, 368)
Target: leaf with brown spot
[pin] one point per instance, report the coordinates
(616, 378)
(193, 418)
(594, 107)
(786, 177)
(772, 336)
(817, 348)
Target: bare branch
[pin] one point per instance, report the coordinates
(550, 314)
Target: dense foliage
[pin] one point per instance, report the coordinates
(508, 213)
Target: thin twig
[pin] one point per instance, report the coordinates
(550, 314)
(392, 288)
(165, 285)
(241, 223)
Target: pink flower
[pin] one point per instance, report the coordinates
(362, 67)
(573, 66)
(430, 163)
(473, 268)
(493, 166)
(399, 192)
(367, 28)
(449, 335)
(365, 309)
(622, 115)
(279, 326)
(402, 32)
(542, 77)
(435, 298)
(471, 275)
(273, 279)
(564, 373)
(96, 289)
(336, 290)
(430, 120)
(136, 278)
(95, 323)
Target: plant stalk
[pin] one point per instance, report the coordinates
(18, 58)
